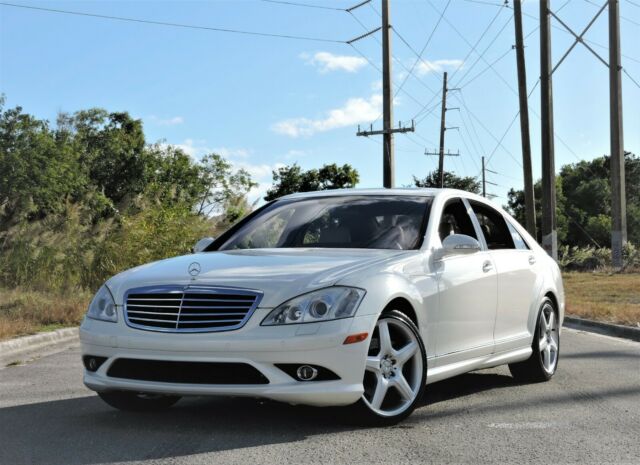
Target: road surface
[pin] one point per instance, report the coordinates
(588, 413)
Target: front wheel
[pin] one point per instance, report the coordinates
(395, 372)
(546, 348)
(138, 401)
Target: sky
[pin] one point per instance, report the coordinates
(264, 102)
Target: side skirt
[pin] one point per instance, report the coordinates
(478, 363)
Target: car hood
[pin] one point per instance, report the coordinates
(280, 273)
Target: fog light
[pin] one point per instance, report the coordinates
(306, 373)
(92, 363)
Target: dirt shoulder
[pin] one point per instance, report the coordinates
(611, 298)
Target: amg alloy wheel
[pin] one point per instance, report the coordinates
(395, 371)
(546, 348)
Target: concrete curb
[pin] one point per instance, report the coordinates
(14, 348)
(608, 329)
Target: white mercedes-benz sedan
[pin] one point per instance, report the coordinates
(355, 298)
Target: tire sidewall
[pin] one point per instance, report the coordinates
(536, 339)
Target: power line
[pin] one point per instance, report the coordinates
(481, 56)
(623, 17)
(482, 2)
(305, 5)
(398, 61)
(468, 43)
(419, 55)
(473, 47)
(178, 25)
(487, 68)
(632, 80)
(377, 68)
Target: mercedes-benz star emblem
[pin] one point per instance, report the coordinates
(194, 269)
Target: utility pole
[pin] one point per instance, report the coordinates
(388, 162)
(618, 199)
(549, 233)
(388, 149)
(484, 179)
(443, 117)
(529, 201)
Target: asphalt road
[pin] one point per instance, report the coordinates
(588, 413)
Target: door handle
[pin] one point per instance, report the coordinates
(487, 266)
(532, 260)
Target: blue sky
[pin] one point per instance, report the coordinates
(264, 102)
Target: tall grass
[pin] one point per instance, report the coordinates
(61, 253)
(597, 258)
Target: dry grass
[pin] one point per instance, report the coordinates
(613, 298)
(25, 312)
(598, 296)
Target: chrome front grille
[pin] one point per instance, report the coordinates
(189, 309)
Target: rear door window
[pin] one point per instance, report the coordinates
(494, 227)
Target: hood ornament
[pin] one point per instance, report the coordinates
(194, 269)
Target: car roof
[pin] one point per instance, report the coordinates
(415, 191)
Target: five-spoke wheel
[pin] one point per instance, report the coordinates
(395, 370)
(545, 348)
(548, 338)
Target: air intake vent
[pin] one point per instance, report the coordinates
(189, 309)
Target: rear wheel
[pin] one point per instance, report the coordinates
(395, 372)
(138, 401)
(546, 348)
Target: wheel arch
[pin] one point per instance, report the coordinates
(403, 305)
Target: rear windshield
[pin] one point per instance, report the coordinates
(363, 222)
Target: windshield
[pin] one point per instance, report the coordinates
(367, 222)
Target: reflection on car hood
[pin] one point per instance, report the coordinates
(279, 273)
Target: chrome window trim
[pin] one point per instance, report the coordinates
(192, 289)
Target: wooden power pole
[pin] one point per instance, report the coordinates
(388, 162)
(549, 233)
(443, 129)
(388, 149)
(529, 200)
(618, 199)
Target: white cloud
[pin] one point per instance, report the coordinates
(426, 66)
(354, 111)
(227, 152)
(167, 121)
(193, 148)
(326, 62)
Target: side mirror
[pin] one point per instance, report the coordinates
(202, 244)
(459, 244)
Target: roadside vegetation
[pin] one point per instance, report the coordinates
(86, 197)
(613, 298)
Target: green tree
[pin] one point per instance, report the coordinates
(451, 181)
(515, 204)
(584, 201)
(292, 179)
(223, 186)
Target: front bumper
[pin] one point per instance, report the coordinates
(261, 347)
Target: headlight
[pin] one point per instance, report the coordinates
(103, 307)
(332, 303)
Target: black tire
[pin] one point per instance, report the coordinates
(131, 401)
(361, 413)
(533, 370)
